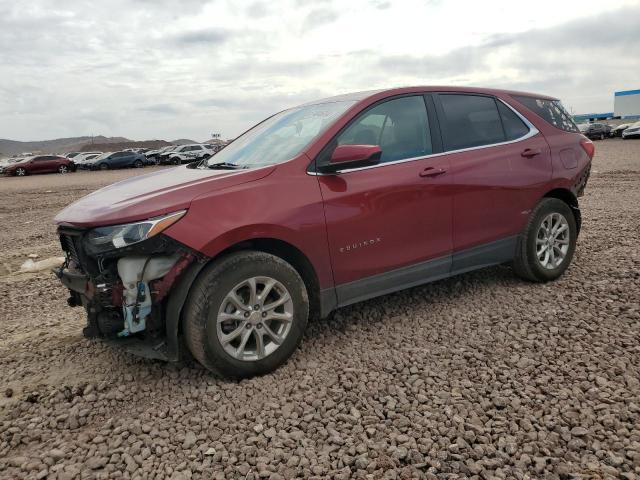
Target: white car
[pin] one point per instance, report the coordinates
(71, 155)
(84, 156)
(188, 153)
(154, 155)
(632, 131)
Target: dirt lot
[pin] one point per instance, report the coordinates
(480, 376)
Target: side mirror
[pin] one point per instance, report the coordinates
(345, 157)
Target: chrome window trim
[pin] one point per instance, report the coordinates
(532, 132)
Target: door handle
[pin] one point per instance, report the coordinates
(431, 172)
(531, 152)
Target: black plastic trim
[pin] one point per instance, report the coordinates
(485, 255)
(489, 254)
(177, 298)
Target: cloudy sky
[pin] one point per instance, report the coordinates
(172, 69)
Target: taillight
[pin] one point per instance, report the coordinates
(588, 147)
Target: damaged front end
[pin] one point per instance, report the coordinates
(124, 276)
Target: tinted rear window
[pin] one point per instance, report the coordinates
(551, 110)
(470, 121)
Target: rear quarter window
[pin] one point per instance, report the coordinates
(551, 111)
(514, 127)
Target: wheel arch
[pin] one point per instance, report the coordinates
(277, 247)
(287, 252)
(568, 197)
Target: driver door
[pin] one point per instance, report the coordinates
(390, 225)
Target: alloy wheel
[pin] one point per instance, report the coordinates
(254, 318)
(552, 240)
(21, 172)
(63, 169)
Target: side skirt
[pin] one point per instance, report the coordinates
(494, 253)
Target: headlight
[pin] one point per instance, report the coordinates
(103, 239)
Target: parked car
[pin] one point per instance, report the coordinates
(187, 154)
(154, 154)
(163, 157)
(617, 131)
(632, 131)
(40, 164)
(321, 206)
(71, 154)
(81, 157)
(598, 131)
(86, 160)
(111, 160)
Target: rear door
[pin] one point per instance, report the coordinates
(42, 164)
(389, 226)
(499, 162)
(121, 158)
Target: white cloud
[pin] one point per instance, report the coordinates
(170, 69)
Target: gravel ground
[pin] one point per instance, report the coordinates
(479, 376)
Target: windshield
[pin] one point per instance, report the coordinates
(280, 137)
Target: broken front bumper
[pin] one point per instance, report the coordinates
(133, 296)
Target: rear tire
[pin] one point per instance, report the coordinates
(138, 164)
(547, 243)
(176, 161)
(602, 136)
(233, 338)
(103, 166)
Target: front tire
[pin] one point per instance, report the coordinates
(63, 169)
(245, 314)
(546, 245)
(21, 172)
(138, 164)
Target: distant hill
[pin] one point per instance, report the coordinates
(59, 145)
(83, 144)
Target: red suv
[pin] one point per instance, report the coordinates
(321, 206)
(40, 164)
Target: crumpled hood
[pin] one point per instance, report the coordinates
(146, 196)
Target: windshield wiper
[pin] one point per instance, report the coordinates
(225, 165)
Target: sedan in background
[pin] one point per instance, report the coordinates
(595, 131)
(40, 164)
(617, 131)
(123, 159)
(632, 131)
